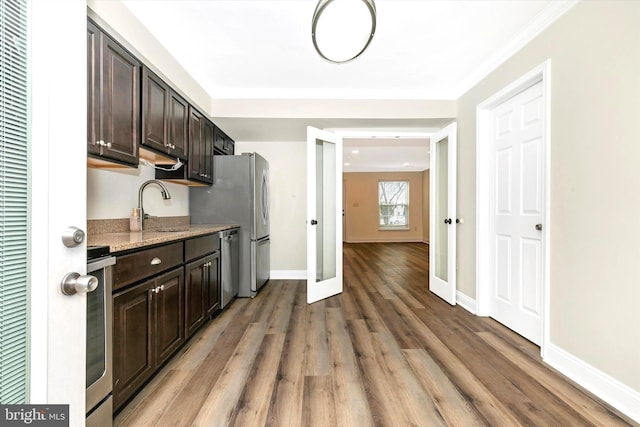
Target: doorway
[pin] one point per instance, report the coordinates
(513, 205)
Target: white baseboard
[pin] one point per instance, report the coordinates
(377, 240)
(466, 302)
(612, 391)
(607, 388)
(288, 275)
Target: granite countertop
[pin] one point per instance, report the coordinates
(125, 240)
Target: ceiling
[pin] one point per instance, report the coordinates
(262, 49)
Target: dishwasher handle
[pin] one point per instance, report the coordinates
(228, 235)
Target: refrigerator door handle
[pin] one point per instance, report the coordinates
(265, 197)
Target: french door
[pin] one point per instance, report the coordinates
(443, 221)
(324, 214)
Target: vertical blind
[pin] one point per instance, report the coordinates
(13, 201)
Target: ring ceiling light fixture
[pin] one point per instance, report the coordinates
(342, 29)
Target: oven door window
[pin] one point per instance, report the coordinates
(96, 331)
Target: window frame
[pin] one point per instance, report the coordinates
(391, 227)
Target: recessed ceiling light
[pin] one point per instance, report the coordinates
(347, 164)
(406, 165)
(355, 151)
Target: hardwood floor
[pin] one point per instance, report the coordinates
(385, 352)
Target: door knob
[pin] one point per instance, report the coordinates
(538, 227)
(447, 221)
(73, 283)
(314, 222)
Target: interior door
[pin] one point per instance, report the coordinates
(517, 245)
(57, 165)
(324, 214)
(443, 221)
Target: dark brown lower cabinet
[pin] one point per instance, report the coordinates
(148, 326)
(212, 303)
(194, 293)
(154, 313)
(202, 291)
(169, 315)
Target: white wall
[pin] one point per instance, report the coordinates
(113, 193)
(288, 200)
(595, 175)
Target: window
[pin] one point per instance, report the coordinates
(393, 204)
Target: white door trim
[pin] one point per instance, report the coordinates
(484, 217)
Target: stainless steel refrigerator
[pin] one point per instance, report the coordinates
(239, 195)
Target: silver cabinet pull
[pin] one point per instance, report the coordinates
(156, 261)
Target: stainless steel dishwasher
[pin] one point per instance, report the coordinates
(229, 265)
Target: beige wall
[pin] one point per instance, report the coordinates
(361, 207)
(595, 176)
(287, 200)
(425, 205)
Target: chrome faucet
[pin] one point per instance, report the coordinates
(165, 196)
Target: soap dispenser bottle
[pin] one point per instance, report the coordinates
(135, 222)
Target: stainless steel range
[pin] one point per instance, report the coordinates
(99, 340)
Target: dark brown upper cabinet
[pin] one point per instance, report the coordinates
(223, 145)
(113, 94)
(165, 117)
(201, 132)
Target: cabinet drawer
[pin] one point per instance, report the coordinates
(199, 246)
(139, 265)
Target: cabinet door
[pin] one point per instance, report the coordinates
(178, 126)
(229, 146)
(168, 300)
(132, 352)
(195, 144)
(93, 89)
(213, 283)
(195, 291)
(120, 108)
(207, 152)
(155, 101)
(218, 140)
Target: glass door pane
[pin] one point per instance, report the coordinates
(442, 210)
(325, 210)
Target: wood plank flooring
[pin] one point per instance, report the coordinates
(385, 352)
